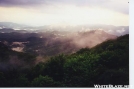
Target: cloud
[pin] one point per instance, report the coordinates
(40, 12)
(121, 6)
(20, 3)
(117, 5)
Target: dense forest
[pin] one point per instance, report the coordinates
(105, 63)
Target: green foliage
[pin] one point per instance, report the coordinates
(54, 67)
(43, 81)
(22, 81)
(83, 50)
(106, 63)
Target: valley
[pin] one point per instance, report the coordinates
(63, 58)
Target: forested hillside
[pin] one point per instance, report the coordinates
(52, 43)
(106, 63)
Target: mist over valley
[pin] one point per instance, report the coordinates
(38, 52)
(53, 40)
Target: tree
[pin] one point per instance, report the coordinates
(43, 81)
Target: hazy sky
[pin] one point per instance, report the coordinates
(72, 12)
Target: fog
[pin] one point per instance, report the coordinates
(48, 42)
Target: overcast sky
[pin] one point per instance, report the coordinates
(70, 12)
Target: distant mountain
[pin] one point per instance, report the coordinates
(6, 30)
(9, 30)
(56, 42)
(11, 25)
(115, 30)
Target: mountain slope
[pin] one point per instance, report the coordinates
(106, 63)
